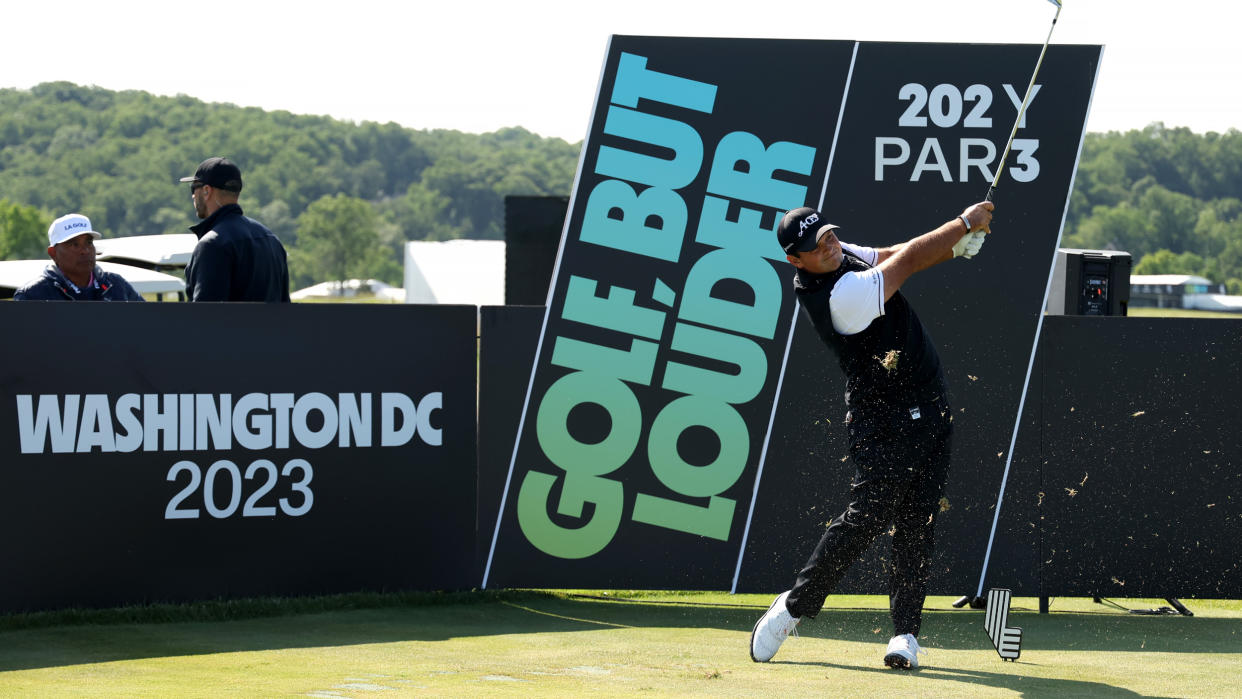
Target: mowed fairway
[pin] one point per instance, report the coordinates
(617, 644)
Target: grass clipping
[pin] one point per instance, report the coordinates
(889, 361)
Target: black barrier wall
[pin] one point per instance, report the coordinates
(1124, 481)
(532, 233)
(806, 481)
(508, 337)
(1141, 490)
(173, 452)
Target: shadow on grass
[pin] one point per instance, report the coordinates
(963, 629)
(62, 639)
(1024, 686)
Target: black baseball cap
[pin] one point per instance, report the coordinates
(800, 230)
(220, 173)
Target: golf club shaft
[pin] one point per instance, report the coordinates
(1025, 99)
(1000, 496)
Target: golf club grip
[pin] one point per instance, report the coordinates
(991, 192)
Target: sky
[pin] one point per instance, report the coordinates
(479, 66)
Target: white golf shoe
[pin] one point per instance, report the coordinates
(903, 652)
(772, 629)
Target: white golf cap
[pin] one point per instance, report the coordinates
(70, 226)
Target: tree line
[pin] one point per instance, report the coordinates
(344, 197)
(1168, 196)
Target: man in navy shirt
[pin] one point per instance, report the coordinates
(73, 274)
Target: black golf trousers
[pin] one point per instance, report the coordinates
(903, 464)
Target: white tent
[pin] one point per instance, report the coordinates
(14, 274)
(466, 272)
(169, 251)
(1214, 302)
(1169, 280)
(350, 288)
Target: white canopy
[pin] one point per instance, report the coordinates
(1213, 302)
(350, 288)
(151, 251)
(1170, 279)
(14, 274)
(467, 272)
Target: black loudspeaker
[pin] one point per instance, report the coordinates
(1090, 283)
(532, 237)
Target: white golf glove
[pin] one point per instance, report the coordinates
(969, 245)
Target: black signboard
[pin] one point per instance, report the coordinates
(664, 342)
(656, 432)
(923, 126)
(1141, 490)
(170, 452)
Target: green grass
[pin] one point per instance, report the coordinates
(527, 643)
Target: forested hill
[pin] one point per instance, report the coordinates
(1170, 197)
(117, 156)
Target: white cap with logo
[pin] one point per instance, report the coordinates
(70, 226)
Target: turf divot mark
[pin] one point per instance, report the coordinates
(562, 616)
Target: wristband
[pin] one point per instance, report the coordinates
(965, 221)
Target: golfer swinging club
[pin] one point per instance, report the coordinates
(898, 420)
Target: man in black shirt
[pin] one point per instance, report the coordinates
(236, 258)
(899, 423)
